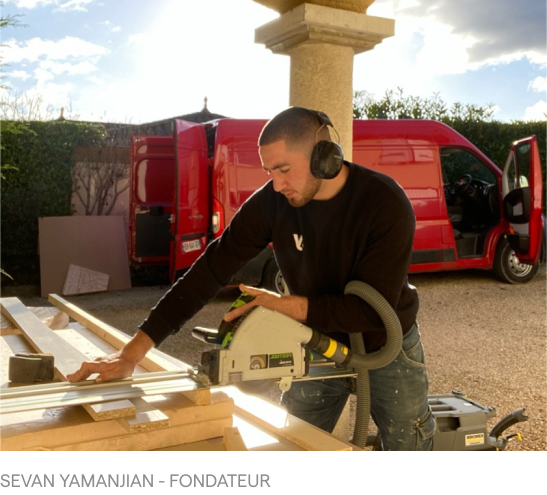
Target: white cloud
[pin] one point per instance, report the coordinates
(49, 60)
(539, 84)
(58, 68)
(42, 76)
(95, 80)
(74, 5)
(443, 51)
(70, 5)
(38, 49)
(537, 111)
(469, 34)
(501, 27)
(31, 4)
(19, 74)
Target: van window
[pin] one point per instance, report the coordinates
(457, 163)
(471, 195)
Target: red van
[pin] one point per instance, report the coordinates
(185, 189)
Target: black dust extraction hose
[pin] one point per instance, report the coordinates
(357, 358)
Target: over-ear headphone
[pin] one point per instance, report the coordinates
(327, 156)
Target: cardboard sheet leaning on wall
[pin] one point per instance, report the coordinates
(95, 242)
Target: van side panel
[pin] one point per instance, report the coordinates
(413, 161)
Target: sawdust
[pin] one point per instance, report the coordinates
(482, 337)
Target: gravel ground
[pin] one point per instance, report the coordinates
(482, 337)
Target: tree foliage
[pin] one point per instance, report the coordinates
(396, 105)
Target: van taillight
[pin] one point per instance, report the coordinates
(217, 221)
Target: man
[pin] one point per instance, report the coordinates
(330, 222)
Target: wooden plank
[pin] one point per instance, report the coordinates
(70, 428)
(50, 316)
(154, 360)
(147, 418)
(277, 421)
(41, 338)
(104, 411)
(159, 439)
(233, 440)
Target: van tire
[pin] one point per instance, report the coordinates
(508, 268)
(272, 279)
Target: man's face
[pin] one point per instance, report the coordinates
(290, 172)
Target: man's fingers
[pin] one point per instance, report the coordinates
(88, 368)
(237, 312)
(113, 374)
(262, 297)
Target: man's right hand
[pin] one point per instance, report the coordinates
(109, 367)
(118, 365)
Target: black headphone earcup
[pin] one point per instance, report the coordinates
(326, 160)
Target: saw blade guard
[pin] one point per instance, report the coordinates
(262, 345)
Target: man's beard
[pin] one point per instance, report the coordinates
(308, 192)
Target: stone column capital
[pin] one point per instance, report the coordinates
(309, 23)
(283, 6)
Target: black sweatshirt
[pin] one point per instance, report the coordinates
(364, 233)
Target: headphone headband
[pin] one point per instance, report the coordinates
(323, 118)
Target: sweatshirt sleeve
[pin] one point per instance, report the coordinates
(245, 237)
(382, 262)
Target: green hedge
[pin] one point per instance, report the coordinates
(36, 182)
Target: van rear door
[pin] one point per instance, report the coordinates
(191, 199)
(522, 199)
(151, 203)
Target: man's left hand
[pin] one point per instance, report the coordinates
(295, 307)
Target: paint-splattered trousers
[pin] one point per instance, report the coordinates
(398, 400)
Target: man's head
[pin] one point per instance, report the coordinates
(286, 145)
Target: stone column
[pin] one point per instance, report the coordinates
(322, 37)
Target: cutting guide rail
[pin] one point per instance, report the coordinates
(60, 394)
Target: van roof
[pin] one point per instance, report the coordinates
(414, 129)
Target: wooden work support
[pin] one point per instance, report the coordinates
(261, 424)
(70, 428)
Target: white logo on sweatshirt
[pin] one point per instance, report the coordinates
(299, 241)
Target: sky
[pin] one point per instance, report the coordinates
(138, 61)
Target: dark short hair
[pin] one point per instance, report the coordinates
(295, 125)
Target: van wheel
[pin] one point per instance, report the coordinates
(273, 280)
(509, 269)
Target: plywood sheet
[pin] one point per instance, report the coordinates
(95, 242)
